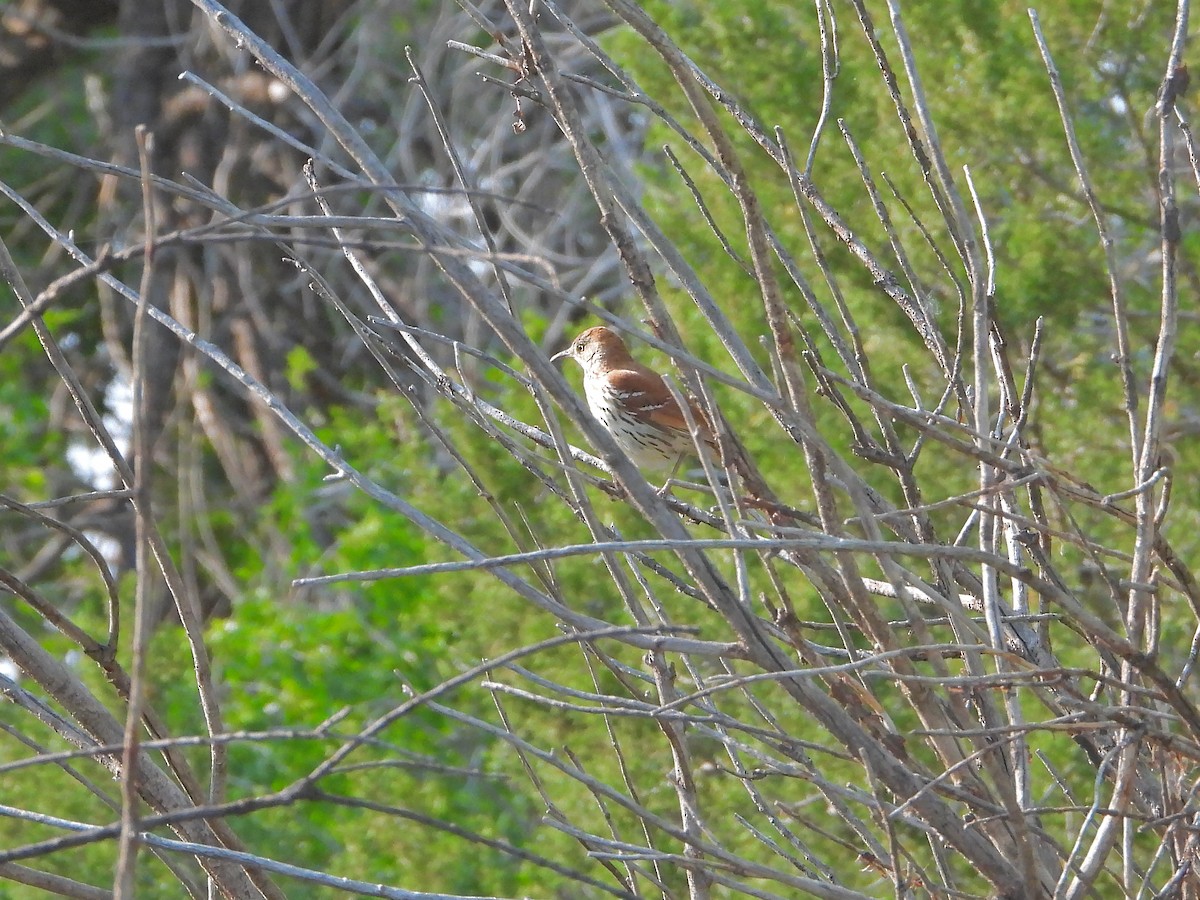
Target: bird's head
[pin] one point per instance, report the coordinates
(595, 348)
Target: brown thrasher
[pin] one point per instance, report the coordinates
(633, 403)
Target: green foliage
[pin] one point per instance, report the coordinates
(300, 364)
(990, 97)
(291, 657)
(294, 660)
(24, 431)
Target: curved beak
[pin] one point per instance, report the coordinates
(561, 354)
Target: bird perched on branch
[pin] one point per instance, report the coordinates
(633, 403)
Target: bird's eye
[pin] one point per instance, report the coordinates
(579, 347)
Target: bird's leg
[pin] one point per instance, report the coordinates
(670, 482)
